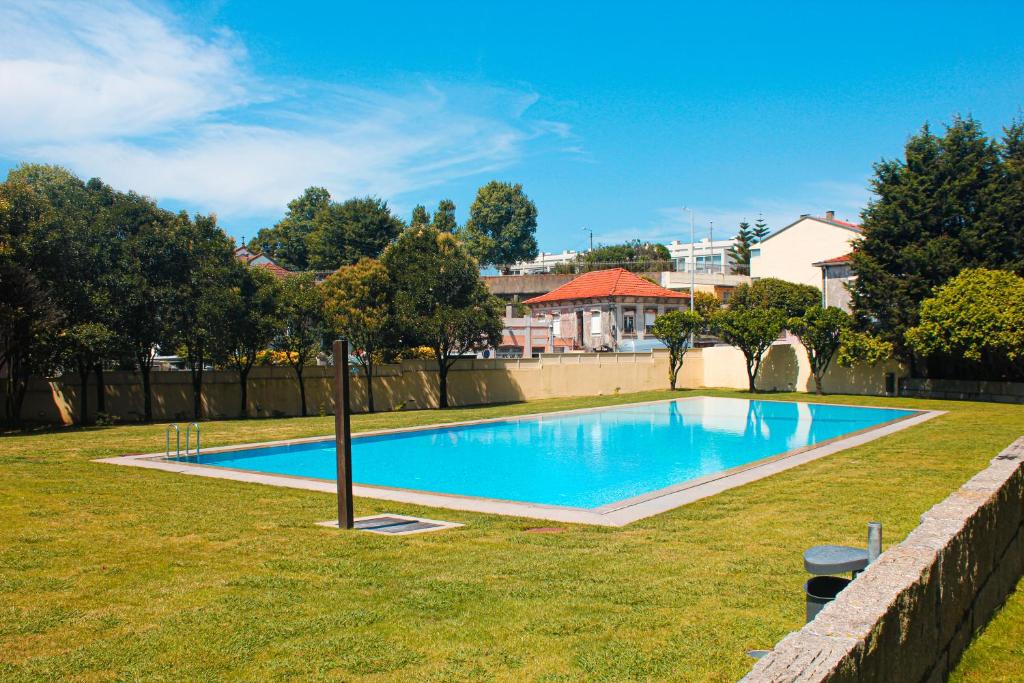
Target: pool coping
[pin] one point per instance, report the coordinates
(615, 514)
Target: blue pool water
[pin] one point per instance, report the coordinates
(583, 460)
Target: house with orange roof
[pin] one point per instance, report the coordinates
(602, 309)
(255, 259)
(791, 253)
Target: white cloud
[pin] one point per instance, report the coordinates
(115, 91)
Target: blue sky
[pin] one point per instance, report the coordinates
(612, 115)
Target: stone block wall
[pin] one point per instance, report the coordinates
(963, 390)
(912, 613)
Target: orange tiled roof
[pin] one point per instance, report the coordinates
(845, 258)
(275, 270)
(606, 284)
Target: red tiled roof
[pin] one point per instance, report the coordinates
(606, 284)
(836, 221)
(838, 260)
(275, 270)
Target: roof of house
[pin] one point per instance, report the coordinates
(607, 284)
(838, 260)
(821, 219)
(275, 270)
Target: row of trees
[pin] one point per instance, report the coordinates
(93, 278)
(953, 206)
(318, 233)
(756, 316)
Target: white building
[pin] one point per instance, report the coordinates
(544, 263)
(792, 252)
(704, 256)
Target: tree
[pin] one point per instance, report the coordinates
(252, 321)
(675, 330)
(420, 215)
(343, 233)
(760, 231)
(820, 331)
(752, 331)
(739, 252)
(286, 241)
(444, 217)
(977, 317)
(706, 305)
(951, 203)
(440, 300)
(302, 307)
(502, 225)
(635, 256)
(30, 318)
(359, 303)
(789, 298)
(145, 287)
(204, 263)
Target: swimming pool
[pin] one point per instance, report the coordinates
(590, 460)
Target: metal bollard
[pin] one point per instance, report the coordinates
(874, 541)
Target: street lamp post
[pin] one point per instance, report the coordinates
(591, 231)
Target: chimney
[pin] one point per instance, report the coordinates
(830, 215)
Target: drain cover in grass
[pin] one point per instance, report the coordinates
(395, 525)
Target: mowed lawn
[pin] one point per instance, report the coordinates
(113, 572)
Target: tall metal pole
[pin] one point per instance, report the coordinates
(693, 259)
(342, 433)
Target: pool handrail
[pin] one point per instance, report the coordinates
(188, 433)
(167, 440)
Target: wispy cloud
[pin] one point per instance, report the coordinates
(125, 93)
(845, 198)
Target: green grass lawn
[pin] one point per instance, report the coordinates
(122, 573)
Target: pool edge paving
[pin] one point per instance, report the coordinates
(615, 514)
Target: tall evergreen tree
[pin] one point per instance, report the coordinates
(420, 215)
(502, 225)
(739, 252)
(935, 213)
(286, 241)
(444, 217)
(760, 230)
(347, 231)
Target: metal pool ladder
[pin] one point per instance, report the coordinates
(177, 440)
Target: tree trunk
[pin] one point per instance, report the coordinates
(243, 385)
(83, 400)
(101, 389)
(751, 375)
(302, 389)
(817, 384)
(369, 384)
(442, 377)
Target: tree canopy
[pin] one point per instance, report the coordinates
(789, 298)
(820, 330)
(359, 305)
(635, 256)
(953, 202)
(440, 300)
(675, 330)
(286, 242)
(347, 231)
(444, 217)
(502, 225)
(977, 319)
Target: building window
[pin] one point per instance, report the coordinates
(556, 324)
(628, 323)
(755, 252)
(595, 322)
(649, 317)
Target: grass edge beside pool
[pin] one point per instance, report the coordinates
(109, 572)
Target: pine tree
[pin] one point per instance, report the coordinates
(740, 251)
(760, 229)
(420, 217)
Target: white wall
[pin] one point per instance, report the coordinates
(790, 253)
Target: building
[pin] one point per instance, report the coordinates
(792, 252)
(705, 256)
(256, 259)
(836, 275)
(602, 309)
(544, 263)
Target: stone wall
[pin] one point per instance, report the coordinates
(912, 613)
(963, 390)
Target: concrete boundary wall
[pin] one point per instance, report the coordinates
(274, 392)
(963, 390)
(912, 613)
